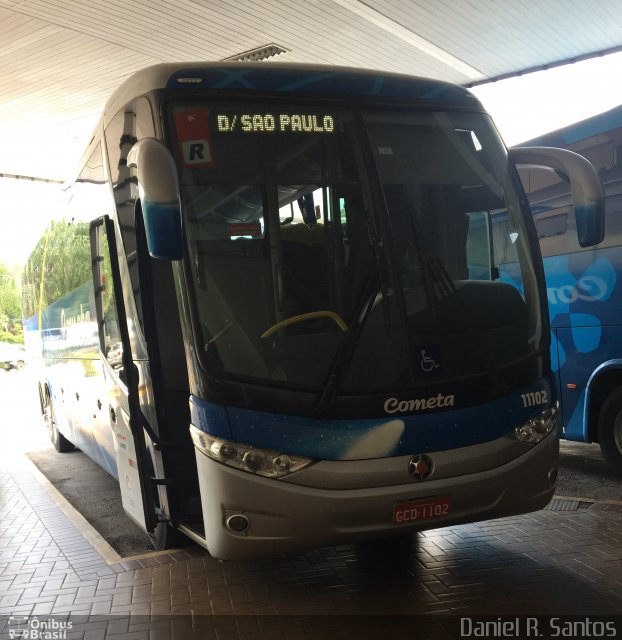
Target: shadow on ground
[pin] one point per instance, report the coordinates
(95, 495)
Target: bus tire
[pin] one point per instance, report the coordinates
(165, 536)
(59, 442)
(610, 430)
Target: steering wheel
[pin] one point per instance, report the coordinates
(335, 317)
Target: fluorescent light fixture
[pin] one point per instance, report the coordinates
(260, 53)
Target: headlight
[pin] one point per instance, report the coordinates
(263, 462)
(537, 428)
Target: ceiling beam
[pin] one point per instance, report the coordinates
(394, 28)
(13, 176)
(545, 67)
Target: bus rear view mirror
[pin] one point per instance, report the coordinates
(587, 191)
(158, 189)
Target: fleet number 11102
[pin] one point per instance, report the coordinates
(534, 398)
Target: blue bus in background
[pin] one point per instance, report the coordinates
(584, 285)
(277, 308)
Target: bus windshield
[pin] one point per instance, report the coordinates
(361, 249)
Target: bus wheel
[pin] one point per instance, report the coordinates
(165, 536)
(61, 444)
(610, 430)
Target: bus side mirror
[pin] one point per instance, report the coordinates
(587, 191)
(158, 189)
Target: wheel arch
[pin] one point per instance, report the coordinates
(604, 379)
(45, 394)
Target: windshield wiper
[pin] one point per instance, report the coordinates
(364, 306)
(347, 346)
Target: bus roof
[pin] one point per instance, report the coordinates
(287, 78)
(581, 130)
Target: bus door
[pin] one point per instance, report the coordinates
(121, 378)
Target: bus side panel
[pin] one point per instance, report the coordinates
(62, 413)
(62, 336)
(74, 369)
(573, 379)
(555, 367)
(585, 308)
(588, 349)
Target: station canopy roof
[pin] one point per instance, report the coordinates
(61, 59)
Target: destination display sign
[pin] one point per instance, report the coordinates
(255, 122)
(199, 127)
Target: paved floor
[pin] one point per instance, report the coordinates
(53, 569)
(550, 562)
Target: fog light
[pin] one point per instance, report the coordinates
(237, 523)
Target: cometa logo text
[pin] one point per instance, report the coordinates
(393, 405)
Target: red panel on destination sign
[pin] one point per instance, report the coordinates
(252, 229)
(195, 139)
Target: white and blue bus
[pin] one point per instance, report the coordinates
(276, 309)
(583, 285)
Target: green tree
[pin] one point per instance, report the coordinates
(59, 264)
(10, 306)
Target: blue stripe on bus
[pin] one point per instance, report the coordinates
(579, 131)
(393, 435)
(339, 82)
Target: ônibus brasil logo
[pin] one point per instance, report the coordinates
(393, 405)
(34, 628)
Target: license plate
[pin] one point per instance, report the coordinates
(421, 510)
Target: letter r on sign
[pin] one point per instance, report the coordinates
(197, 152)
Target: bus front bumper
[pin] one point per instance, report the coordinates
(248, 516)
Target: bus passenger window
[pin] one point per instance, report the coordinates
(552, 225)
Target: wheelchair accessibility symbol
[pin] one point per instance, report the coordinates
(429, 358)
